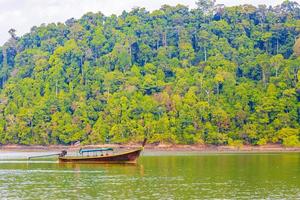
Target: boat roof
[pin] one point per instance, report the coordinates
(95, 150)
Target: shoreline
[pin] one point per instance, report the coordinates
(161, 147)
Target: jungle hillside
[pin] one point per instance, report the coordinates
(210, 75)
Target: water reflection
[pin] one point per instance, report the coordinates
(229, 176)
(128, 169)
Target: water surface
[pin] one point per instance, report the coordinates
(156, 176)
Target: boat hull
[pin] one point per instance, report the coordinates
(126, 157)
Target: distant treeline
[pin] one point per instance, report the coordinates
(214, 75)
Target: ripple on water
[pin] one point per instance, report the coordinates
(175, 177)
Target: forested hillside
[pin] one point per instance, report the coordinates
(214, 75)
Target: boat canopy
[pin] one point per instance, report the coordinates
(81, 151)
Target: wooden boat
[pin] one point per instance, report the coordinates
(123, 157)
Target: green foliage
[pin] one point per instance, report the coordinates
(288, 136)
(213, 75)
(262, 141)
(216, 138)
(235, 143)
(291, 141)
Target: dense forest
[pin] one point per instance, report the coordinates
(210, 75)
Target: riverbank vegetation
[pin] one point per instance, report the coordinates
(215, 75)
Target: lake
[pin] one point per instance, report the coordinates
(156, 176)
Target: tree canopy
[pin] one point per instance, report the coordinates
(214, 75)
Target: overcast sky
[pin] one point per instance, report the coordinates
(23, 14)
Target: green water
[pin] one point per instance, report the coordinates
(156, 176)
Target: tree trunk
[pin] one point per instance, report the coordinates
(56, 89)
(207, 92)
(82, 72)
(165, 39)
(264, 78)
(205, 54)
(277, 46)
(130, 53)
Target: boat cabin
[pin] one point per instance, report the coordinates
(96, 152)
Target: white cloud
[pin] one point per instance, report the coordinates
(23, 14)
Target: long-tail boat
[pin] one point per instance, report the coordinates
(100, 155)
